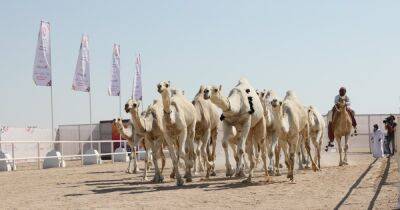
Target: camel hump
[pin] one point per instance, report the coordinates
(243, 80)
(290, 95)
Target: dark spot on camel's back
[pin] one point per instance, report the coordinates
(251, 104)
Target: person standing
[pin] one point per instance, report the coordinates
(377, 139)
(390, 126)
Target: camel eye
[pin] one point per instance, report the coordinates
(215, 90)
(166, 85)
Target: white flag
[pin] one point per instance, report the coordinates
(115, 84)
(137, 84)
(81, 80)
(42, 65)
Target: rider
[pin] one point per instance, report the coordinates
(342, 94)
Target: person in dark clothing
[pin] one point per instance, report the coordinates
(390, 126)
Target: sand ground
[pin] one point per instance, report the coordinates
(365, 182)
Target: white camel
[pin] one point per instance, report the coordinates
(317, 130)
(150, 126)
(266, 98)
(179, 123)
(292, 126)
(129, 134)
(243, 111)
(207, 116)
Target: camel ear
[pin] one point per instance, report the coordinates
(280, 103)
(220, 87)
(154, 101)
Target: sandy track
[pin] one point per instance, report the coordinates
(107, 186)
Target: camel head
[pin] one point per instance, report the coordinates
(212, 92)
(118, 123)
(163, 86)
(277, 106)
(132, 105)
(341, 105)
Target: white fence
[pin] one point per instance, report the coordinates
(41, 155)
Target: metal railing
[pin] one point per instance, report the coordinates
(81, 154)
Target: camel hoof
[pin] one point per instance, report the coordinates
(341, 164)
(240, 174)
(280, 165)
(345, 163)
(179, 182)
(229, 173)
(277, 173)
(189, 179)
(213, 173)
(307, 167)
(158, 179)
(172, 175)
(247, 181)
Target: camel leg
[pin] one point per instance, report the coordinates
(264, 155)
(241, 144)
(197, 157)
(162, 155)
(346, 147)
(251, 156)
(338, 140)
(299, 155)
(204, 142)
(228, 135)
(271, 143)
(175, 160)
(214, 134)
(200, 161)
(292, 150)
(158, 178)
(190, 154)
(308, 149)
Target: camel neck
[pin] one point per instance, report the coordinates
(137, 121)
(166, 99)
(222, 102)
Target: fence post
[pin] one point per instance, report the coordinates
(112, 152)
(369, 133)
(38, 155)
(81, 146)
(13, 154)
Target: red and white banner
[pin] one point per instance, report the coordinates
(81, 80)
(137, 83)
(42, 64)
(114, 88)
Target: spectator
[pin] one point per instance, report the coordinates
(390, 127)
(377, 139)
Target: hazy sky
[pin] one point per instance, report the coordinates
(312, 47)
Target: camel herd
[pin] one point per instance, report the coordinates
(254, 124)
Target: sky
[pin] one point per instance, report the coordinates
(312, 47)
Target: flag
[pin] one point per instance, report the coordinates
(137, 84)
(81, 80)
(42, 65)
(115, 83)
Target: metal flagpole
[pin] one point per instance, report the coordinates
(120, 116)
(52, 113)
(90, 117)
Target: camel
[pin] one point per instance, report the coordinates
(271, 142)
(317, 130)
(179, 124)
(243, 112)
(207, 116)
(129, 134)
(342, 128)
(150, 126)
(291, 122)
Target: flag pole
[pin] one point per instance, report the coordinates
(52, 112)
(120, 116)
(90, 118)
